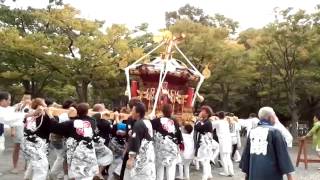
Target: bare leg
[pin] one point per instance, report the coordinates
(15, 157)
(65, 169)
(319, 157)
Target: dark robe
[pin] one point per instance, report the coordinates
(167, 140)
(141, 144)
(266, 156)
(159, 127)
(139, 132)
(81, 155)
(130, 123)
(201, 128)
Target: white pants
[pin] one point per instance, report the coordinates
(2, 143)
(57, 167)
(227, 163)
(206, 169)
(37, 170)
(184, 169)
(85, 178)
(216, 150)
(170, 171)
(215, 154)
(115, 167)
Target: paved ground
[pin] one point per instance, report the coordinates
(301, 174)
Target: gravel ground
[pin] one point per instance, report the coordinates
(301, 174)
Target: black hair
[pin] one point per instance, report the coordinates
(68, 103)
(49, 101)
(82, 109)
(167, 110)
(252, 115)
(221, 115)
(140, 109)
(133, 102)
(317, 115)
(4, 95)
(208, 110)
(188, 128)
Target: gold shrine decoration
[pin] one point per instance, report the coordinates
(163, 35)
(206, 72)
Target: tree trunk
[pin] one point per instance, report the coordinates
(82, 91)
(26, 86)
(225, 97)
(294, 111)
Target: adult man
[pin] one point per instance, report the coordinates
(225, 142)
(266, 155)
(17, 131)
(204, 142)
(141, 162)
(129, 122)
(168, 140)
(7, 114)
(81, 156)
(59, 168)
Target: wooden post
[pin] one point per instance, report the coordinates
(305, 160)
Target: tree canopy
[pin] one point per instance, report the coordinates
(53, 52)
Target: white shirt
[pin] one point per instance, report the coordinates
(188, 141)
(235, 133)
(11, 118)
(285, 132)
(224, 135)
(249, 124)
(253, 122)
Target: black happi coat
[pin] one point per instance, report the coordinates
(201, 128)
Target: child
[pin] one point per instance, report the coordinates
(188, 154)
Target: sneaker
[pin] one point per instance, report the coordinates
(179, 177)
(14, 171)
(223, 174)
(1, 174)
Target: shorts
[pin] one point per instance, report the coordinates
(19, 134)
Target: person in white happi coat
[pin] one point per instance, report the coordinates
(235, 128)
(249, 123)
(225, 142)
(188, 154)
(253, 121)
(17, 131)
(8, 116)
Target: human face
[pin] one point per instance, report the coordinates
(203, 114)
(134, 114)
(5, 103)
(315, 119)
(272, 119)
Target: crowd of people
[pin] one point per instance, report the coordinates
(89, 144)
